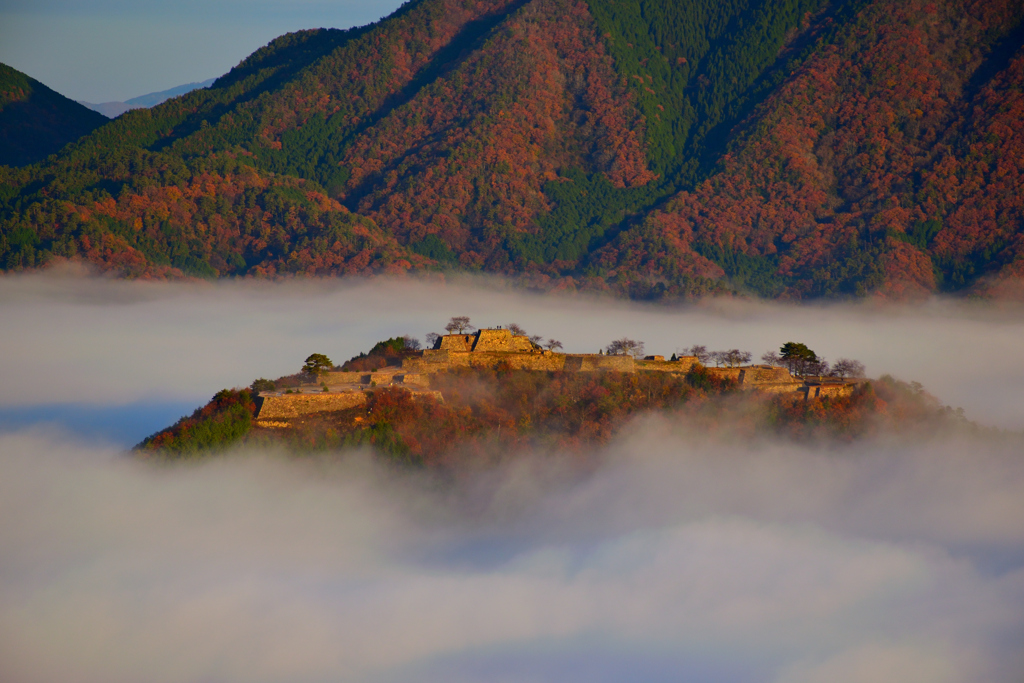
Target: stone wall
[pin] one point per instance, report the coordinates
(678, 366)
(338, 377)
(293, 405)
(761, 378)
(284, 406)
(548, 361)
(726, 373)
(832, 390)
(593, 362)
(776, 387)
(416, 380)
(487, 360)
(502, 340)
(432, 360)
(457, 342)
(765, 374)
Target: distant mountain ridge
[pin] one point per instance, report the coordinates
(653, 149)
(114, 109)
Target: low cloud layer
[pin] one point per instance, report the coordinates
(680, 559)
(114, 342)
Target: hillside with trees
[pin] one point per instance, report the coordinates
(482, 414)
(652, 149)
(35, 121)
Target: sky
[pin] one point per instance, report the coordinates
(675, 555)
(113, 50)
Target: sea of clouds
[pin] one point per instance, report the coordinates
(680, 557)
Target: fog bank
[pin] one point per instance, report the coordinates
(680, 559)
(69, 337)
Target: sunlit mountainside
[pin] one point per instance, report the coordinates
(654, 149)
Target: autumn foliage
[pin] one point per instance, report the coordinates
(223, 421)
(487, 416)
(789, 148)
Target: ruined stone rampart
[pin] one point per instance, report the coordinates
(726, 373)
(432, 360)
(793, 387)
(682, 365)
(284, 406)
(502, 340)
(590, 362)
(457, 342)
(813, 391)
(488, 360)
(416, 380)
(765, 374)
(332, 378)
(277, 406)
(500, 349)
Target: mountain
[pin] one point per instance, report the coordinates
(114, 109)
(790, 148)
(35, 121)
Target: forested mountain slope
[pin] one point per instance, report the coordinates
(35, 121)
(792, 148)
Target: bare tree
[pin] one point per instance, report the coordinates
(433, 339)
(553, 344)
(411, 342)
(536, 340)
(516, 329)
(771, 358)
(732, 358)
(458, 325)
(625, 347)
(701, 352)
(847, 367)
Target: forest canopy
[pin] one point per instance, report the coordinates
(648, 148)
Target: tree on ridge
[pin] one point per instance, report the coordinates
(316, 365)
(458, 325)
(625, 347)
(847, 367)
(797, 357)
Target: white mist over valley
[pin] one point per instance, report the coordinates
(679, 557)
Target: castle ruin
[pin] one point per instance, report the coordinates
(500, 349)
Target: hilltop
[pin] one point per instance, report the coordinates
(484, 393)
(36, 121)
(654, 149)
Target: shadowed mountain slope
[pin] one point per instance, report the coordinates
(35, 121)
(792, 148)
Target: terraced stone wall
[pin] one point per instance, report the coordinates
(294, 405)
(590, 362)
(546, 361)
(682, 365)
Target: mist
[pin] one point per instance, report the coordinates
(72, 338)
(680, 559)
(680, 556)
